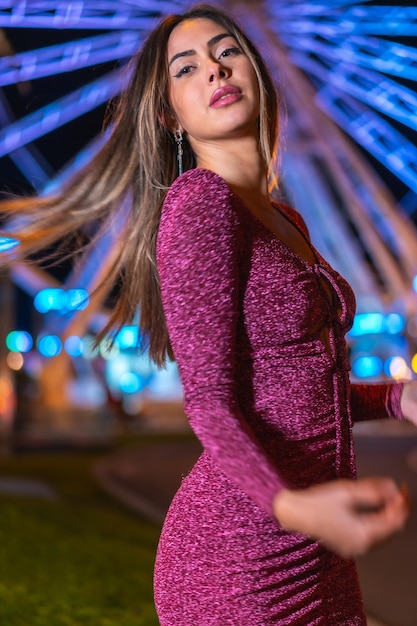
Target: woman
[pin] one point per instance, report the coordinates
(263, 529)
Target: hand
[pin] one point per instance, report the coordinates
(409, 401)
(347, 516)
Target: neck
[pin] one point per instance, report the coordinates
(240, 164)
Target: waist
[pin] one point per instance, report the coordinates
(305, 353)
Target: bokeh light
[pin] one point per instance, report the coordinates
(74, 346)
(394, 323)
(90, 350)
(367, 366)
(108, 351)
(127, 337)
(15, 361)
(131, 382)
(19, 341)
(77, 299)
(397, 368)
(50, 300)
(376, 323)
(414, 363)
(53, 299)
(49, 345)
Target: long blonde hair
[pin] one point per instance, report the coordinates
(138, 163)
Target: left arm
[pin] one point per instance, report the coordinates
(393, 400)
(378, 401)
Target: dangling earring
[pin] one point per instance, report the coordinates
(178, 140)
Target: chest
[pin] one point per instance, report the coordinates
(282, 229)
(286, 298)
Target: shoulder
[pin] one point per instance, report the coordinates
(295, 217)
(198, 191)
(198, 181)
(199, 212)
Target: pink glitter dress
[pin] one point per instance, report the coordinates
(272, 406)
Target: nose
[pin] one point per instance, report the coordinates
(216, 71)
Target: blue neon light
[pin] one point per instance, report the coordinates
(49, 345)
(377, 323)
(338, 45)
(19, 341)
(387, 366)
(50, 300)
(127, 337)
(83, 15)
(55, 299)
(131, 382)
(77, 299)
(74, 346)
(394, 324)
(367, 323)
(7, 243)
(367, 366)
(68, 56)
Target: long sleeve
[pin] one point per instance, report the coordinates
(199, 243)
(377, 401)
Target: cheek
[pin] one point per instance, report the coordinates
(255, 87)
(184, 104)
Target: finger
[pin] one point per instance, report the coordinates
(372, 494)
(388, 520)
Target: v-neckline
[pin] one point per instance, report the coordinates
(275, 236)
(296, 255)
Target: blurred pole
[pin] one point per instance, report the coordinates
(7, 391)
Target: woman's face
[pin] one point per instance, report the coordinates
(213, 87)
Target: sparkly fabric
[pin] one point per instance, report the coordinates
(271, 404)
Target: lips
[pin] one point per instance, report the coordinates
(227, 94)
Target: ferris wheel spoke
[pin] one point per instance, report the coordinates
(372, 132)
(87, 14)
(62, 111)
(27, 159)
(374, 20)
(382, 55)
(296, 8)
(392, 99)
(68, 57)
(81, 159)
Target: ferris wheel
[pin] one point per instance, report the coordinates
(347, 70)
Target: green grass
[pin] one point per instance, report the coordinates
(79, 560)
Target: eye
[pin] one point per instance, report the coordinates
(232, 51)
(183, 71)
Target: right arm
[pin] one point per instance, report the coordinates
(198, 263)
(347, 516)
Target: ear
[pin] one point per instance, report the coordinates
(168, 120)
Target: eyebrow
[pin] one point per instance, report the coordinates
(189, 53)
